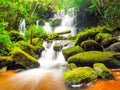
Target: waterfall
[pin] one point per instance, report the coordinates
(47, 28)
(51, 58)
(37, 23)
(68, 19)
(67, 23)
(22, 27)
(47, 77)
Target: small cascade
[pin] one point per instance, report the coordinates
(22, 27)
(67, 21)
(51, 58)
(47, 28)
(37, 23)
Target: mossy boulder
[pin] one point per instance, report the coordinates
(34, 51)
(102, 71)
(114, 47)
(71, 66)
(5, 60)
(57, 46)
(107, 42)
(87, 34)
(24, 59)
(79, 75)
(15, 36)
(91, 45)
(110, 59)
(71, 51)
(101, 36)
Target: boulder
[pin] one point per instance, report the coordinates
(102, 71)
(91, 45)
(87, 34)
(34, 51)
(71, 66)
(110, 59)
(24, 59)
(107, 42)
(71, 51)
(114, 47)
(79, 75)
(101, 36)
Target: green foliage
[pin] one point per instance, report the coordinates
(112, 13)
(15, 36)
(36, 32)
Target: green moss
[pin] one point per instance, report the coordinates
(90, 45)
(79, 75)
(101, 36)
(71, 66)
(71, 51)
(23, 58)
(15, 36)
(91, 57)
(103, 71)
(88, 33)
(28, 48)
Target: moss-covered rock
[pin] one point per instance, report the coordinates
(107, 42)
(71, 51)
(91, 45)
(91, 57)
(79, 75)
(15, 36)
(34, 51)
(71, 66)
(5, 60)
(101, 36)
(24, 59)
(102, 71)
(57, 46)
(87, 34)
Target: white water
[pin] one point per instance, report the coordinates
(47, 28)
(67, 22)
(49, 74)
(51, 58)
(22, 27)
(37, 23)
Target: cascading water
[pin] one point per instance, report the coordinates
(22, 27)
(47, 28)
(47, 77)
(51, 58)
(67, 21)
(37, 23)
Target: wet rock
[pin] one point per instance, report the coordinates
(114, 47)
(102, 71)
(107, 42)
(24, 59)
(71, 51)
(79, 75)
(101, 36)
(91, 57)
(91, 45)
(87, 34)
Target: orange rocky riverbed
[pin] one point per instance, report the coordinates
(48, 83)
